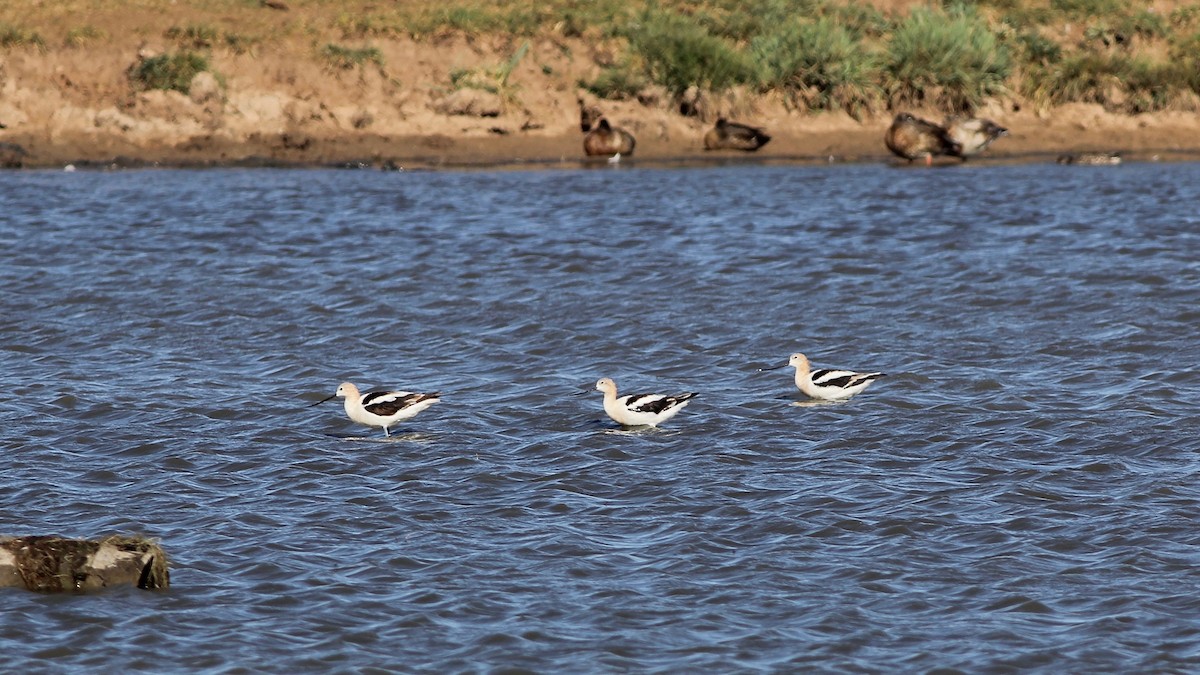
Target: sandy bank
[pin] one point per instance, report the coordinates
(79, 107)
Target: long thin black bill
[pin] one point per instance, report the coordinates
(322, 401)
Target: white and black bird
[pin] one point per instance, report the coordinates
(827, 384)
(640, 410)
(381, 408)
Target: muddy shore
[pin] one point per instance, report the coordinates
(78, 107)
(859, 144)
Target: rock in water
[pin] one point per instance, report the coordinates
(57, 564)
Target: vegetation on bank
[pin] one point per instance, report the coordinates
(169, 71)
(817, 54)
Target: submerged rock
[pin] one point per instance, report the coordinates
(57, 564)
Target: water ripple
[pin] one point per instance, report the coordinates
(1017, 494)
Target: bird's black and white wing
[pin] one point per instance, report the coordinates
(388, 403)
(841, 379)
(653, 403)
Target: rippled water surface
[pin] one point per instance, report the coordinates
(1019, 493)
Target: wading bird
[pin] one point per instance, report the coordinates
(825, 384)
(381, 408)
(638, 410)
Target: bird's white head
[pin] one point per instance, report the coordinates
(344, 390)
(606, 385)
(798, 360)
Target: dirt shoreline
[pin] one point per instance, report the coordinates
(797, 139)
(278, 108)
(564, 151)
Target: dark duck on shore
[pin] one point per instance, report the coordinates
(604, 139)
(728, 135)
(589, 114)
(914, 138)
(972, 134)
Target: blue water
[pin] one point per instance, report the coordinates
(1019, 493)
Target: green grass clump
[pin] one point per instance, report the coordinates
(169, 71)
(193, 36)
(821, 63)
(1079, 78)
(1034, 48)
(678, 53)
(953, 60)
(861, 20)
(15, 36)
(617, 82)
(742, 20)
(83, 35)
(468, 19)
(348, 58)
(1121, 83)
(1088, 8)
(1027, 16)
(495, 79)
(1145, 24)
(241, 44)
(1184, 47)
(371, 24)
(206, 37)
(1185, 17)
(477, 19)
(1152, 85)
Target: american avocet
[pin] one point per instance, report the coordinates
(828, 385)
(381, 408)
(640, 410)
(726, 135)
(914, 138)
(972, 134)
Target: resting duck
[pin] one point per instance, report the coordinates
(589, 114)
(728, 135)
(604, 139)
(914, 138)
(972, 134)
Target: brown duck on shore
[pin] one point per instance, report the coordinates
(728, 135)
(972, 134)
(604, 139)
(589, 114)
(913, 138)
